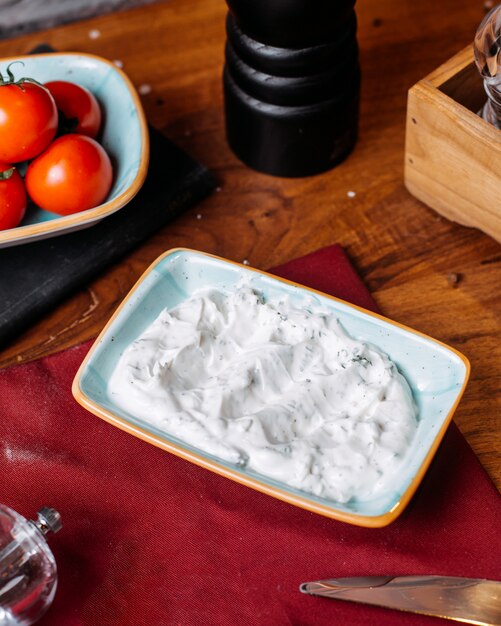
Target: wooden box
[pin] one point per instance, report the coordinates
(452, 156)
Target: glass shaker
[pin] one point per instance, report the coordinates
(28, 575)
(487, 48)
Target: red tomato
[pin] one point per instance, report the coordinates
(12, 197)
(72, 175)
(80, 108)
(28, 119)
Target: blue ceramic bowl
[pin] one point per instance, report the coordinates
(436, 373)
(124, 136)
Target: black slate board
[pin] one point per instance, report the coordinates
(24, 16)
(35, 277)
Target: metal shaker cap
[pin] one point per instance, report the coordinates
(49, 520)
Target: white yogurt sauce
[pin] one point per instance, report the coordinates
(272, 387)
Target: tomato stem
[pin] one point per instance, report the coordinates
(9, 71)
(6, 174)
(18, 83)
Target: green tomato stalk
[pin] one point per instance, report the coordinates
(10, 80)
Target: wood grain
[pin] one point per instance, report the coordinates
(405, 252)
(452, 156)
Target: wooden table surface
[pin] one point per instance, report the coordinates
(404, 251)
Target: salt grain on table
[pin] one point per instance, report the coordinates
(454, 279)
(144, 89)
(94, 34)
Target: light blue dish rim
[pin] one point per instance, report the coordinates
(437, 387)
(62, 224)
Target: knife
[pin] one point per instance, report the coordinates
(469, 600)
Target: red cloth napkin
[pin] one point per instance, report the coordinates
(151, 540)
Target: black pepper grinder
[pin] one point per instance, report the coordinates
(291, 84)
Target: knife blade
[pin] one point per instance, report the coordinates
(469, 600)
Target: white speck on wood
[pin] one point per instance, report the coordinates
(144, 89)
(351, 194)
(94, 33)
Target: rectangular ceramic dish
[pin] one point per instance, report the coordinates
(436, 373)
